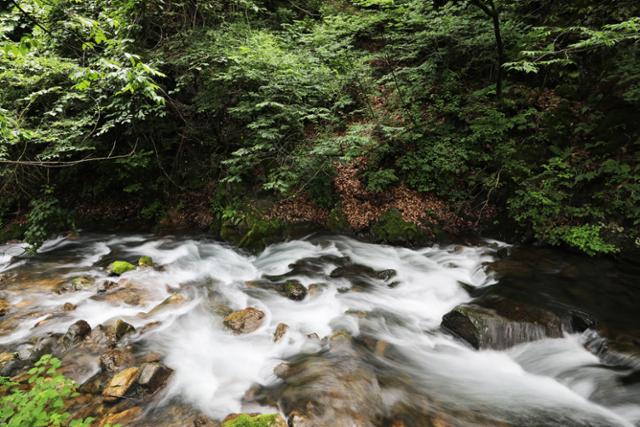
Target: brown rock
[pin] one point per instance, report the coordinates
(153, 376)
(281, 329)
(77, 332)
(4, 306)
(244, 321)
(122, 328)
(68, 306)
(115, 359)
(121, 418)
(120, 383)
(172, 300)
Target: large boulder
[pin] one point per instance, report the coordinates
(244, 321)
(351, 394)
(500, 323)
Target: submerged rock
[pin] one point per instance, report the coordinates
(254, 420)
(334, 389)
(122, 328)
(294, 290)
(118, 268)
(4, 306)
(244, 321)
(120, 383)
(171, 300)
(76, 333)
(500, 323)
(281, 329)
(145, 261)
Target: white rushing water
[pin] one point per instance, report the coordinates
(554, 379)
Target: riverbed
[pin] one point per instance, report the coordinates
(363, 346)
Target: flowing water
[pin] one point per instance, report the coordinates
(366, 348)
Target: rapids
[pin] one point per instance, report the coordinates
(414, 369)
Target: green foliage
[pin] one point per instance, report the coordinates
(261, 99)
(586, 238)
(41, 401)
(45, 218)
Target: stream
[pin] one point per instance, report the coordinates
(363, 347)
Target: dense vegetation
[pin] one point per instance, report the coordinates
(403, 118)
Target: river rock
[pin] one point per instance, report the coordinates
(351, 395)
(118, 268)
(145, 261)
(484, 327)
(8, 362)
(115, 359)
(281, 329)
(68, 306)
(123, 418)
(120, 383)
(106, 285)
(294, 290)
(122, 328)
(76, 333)
(153, 376)
(170, 301)
(4, 306)
(261, 420)
(127, 294)
(244, 321)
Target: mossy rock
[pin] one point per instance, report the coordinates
(145, 261)
(117, 268)
(294, 290)
(254, 420)
(391, 228)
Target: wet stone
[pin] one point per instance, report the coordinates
(153, 376)
(114, 359)
(244, 321)
(106, 285)
(76, 333)
(4, 306)
(281, 330)
(122, 328)
(121, 418)
(120, 383)
(68, 306)
(294, 290)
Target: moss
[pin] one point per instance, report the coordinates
(120, 267)
(145, 261)
(392, 228)
(336, 221)
(245, 420)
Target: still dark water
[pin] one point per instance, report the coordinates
(363, 348)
